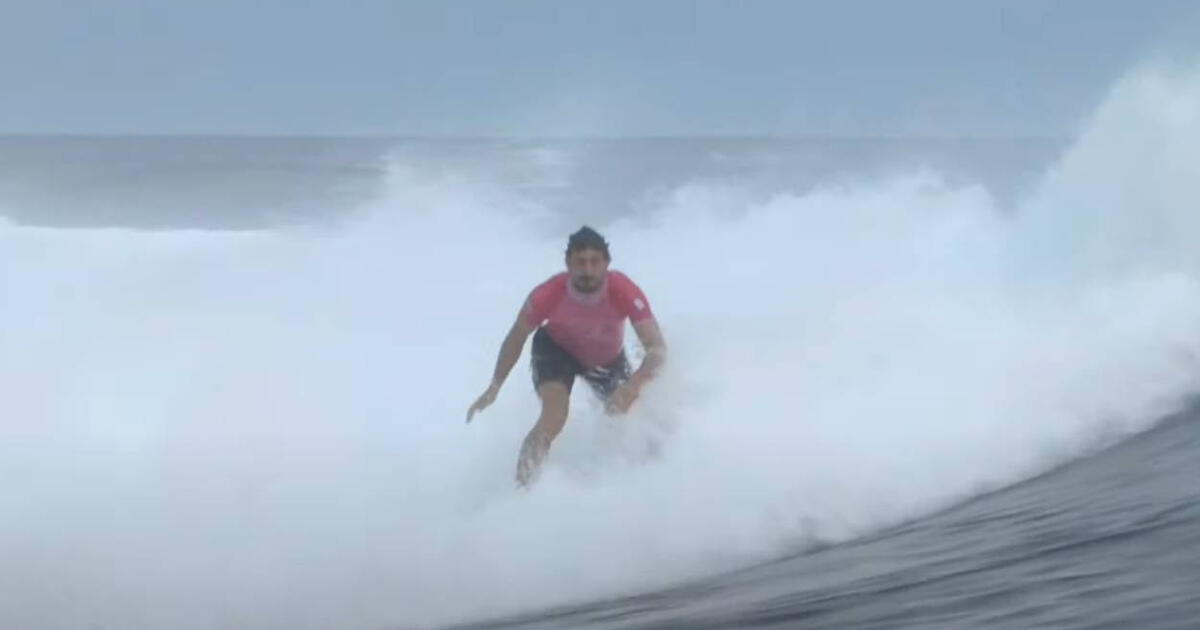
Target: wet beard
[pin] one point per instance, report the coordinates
(586, 285)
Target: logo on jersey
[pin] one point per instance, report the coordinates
(639, 304)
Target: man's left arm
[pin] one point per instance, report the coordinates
(651, 337)
(656, 355)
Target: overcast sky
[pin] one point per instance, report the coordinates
(563, 67)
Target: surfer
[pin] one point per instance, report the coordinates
(577, 319)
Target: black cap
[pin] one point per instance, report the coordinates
(587, 238)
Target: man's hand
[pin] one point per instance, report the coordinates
(485, 399)
(622, 397)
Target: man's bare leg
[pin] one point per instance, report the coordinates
(555, 402)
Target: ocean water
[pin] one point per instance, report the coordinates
(926, 383)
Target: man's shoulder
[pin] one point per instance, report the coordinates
(554, 284)
(543, 298)
(559, 278)
(618, 281)
(628, 296)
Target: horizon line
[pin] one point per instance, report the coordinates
(530, 138)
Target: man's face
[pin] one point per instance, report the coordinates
(588, 268)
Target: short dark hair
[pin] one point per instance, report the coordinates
(587, 238)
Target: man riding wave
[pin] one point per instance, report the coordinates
(579, 318)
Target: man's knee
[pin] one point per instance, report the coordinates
(555, 402)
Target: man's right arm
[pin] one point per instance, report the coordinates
(510, 351)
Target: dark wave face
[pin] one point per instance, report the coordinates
(1109, 541)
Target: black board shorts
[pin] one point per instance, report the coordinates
(550, 362)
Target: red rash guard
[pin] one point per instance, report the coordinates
(590, 326)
